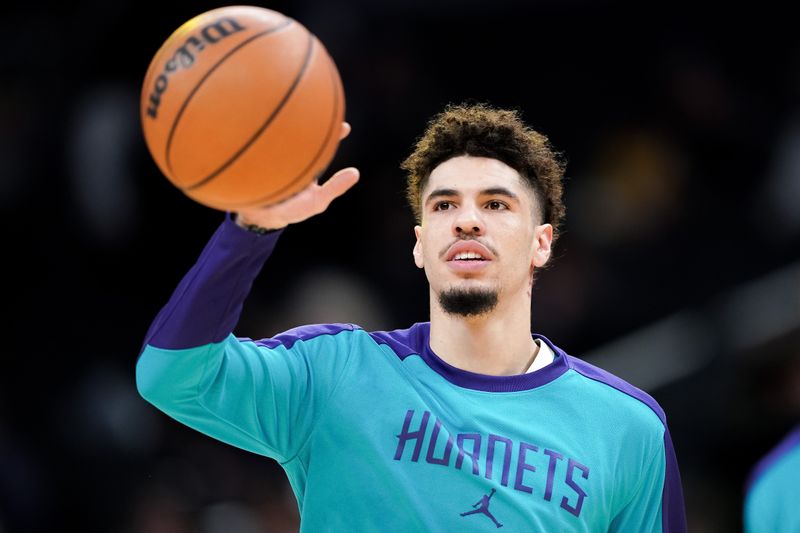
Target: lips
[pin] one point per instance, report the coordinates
(471, 251)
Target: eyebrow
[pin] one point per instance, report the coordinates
(438, 193)
(499, 191)
(449, 193)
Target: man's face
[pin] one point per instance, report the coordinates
(480, 231)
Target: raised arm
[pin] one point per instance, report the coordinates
(244, 393)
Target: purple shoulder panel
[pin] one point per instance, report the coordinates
(404, 342)
(598, 374)
(303, 333)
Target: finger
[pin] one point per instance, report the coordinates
(337, 185)
(345, 130)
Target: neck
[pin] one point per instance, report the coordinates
(498, 343)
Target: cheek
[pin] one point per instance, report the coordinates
(523, 251)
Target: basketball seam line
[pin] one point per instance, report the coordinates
(264, 126)
(331, 129)
(202, 80)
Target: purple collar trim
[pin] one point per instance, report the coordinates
(416, 340)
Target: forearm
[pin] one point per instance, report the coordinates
(207, 303)
(190, 339)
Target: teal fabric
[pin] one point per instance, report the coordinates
(772, 502)
(374, 439)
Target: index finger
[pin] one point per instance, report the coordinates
(337, 185)
(345, 130)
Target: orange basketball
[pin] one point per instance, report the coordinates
(242, 106)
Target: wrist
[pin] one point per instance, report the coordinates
(258, 230)
(243, 223)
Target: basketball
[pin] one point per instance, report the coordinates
(242, 107)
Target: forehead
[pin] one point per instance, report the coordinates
(467, 175)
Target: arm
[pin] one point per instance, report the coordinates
(244, 393)
(207, 303)
(223, 275)
(657, 504)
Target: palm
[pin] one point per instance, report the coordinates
(311, 201)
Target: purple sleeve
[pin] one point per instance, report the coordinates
(673, 513)
(207, 303)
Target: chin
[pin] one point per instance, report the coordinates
(469, 283)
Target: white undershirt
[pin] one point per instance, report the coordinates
(543, 358)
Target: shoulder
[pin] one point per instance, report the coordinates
(404, 342)
(770, 493)
(290, 337)
(784, 457)
(612, 392)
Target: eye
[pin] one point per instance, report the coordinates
(442, 206)
(497, 205)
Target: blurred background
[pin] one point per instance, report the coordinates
(678, 267)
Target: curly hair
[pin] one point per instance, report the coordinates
(480, 130)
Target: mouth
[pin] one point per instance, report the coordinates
(468, 262)
(468, 256)
(469, 250)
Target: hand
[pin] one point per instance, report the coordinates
(311, 201)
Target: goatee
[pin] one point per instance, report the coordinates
(468, 302)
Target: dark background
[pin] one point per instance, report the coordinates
(678, 268)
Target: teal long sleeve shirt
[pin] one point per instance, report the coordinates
(377, 433)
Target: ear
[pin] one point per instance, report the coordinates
(418, 248)
(543, 240)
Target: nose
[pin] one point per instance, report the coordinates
(468, 222)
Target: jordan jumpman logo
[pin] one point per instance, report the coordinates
(482, 506)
